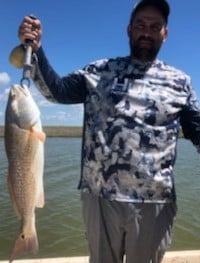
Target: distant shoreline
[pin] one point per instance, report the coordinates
(57, 131)
(63, 131)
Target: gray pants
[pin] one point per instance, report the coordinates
(139, 232)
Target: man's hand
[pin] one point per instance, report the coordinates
(30, 29)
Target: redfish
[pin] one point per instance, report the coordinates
(24, 145)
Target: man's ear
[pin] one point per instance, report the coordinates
(166, 34)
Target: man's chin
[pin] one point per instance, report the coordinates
(145, 55)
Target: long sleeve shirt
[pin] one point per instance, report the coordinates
(133, 112)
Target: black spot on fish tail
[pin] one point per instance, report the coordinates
(24, 245)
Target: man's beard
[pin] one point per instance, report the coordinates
(143, 53)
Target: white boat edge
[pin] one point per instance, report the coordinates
(188, 256)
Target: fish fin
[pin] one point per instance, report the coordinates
(41, 200)
(13, 198)
(24, 244)
(40, 197)
(38, 134)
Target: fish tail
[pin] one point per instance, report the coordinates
(24, 244)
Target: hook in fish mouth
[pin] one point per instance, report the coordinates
(24, 81)
(23, 87)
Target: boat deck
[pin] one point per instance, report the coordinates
(191, 256)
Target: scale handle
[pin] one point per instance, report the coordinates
(27, 59)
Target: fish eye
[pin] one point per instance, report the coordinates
(13, 95)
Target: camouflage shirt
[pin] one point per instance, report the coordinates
(133, 112)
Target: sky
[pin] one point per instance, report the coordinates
(77, 32)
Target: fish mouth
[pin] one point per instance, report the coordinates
(15, 90)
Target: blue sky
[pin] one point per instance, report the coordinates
(77, 32)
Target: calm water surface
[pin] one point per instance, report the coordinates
(59, 223)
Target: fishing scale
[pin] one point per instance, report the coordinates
(21, 56)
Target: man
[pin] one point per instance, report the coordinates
(133, 109)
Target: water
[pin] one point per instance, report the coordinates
(59, 223)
